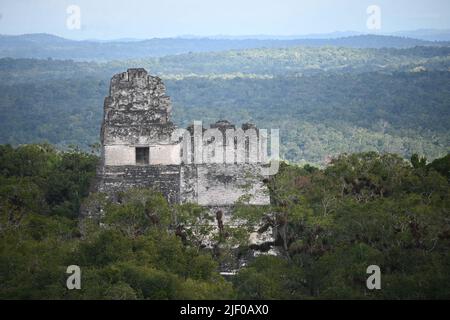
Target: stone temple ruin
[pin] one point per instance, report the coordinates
(141, 147)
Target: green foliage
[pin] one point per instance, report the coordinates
(39, 179)
(267, 278)
(326, 100)
(139, 210)
(129, 253)
(194, 224)
(329, 226)
(418, 162)
(364, 209)
(442, 166)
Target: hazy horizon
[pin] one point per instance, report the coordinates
(111, 20)
(328, 35)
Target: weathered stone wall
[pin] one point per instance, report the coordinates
(188, 184)
(119, 155)
(137, 110)
(137, 114)
(123, 155)
(165, 179)
(165, 154)
(222, 184)
(225, 184)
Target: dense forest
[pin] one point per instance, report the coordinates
(365, 178)
(325, 100)
(329, 225)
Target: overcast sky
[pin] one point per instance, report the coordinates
(115, 19)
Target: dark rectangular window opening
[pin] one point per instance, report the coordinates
(142, 155)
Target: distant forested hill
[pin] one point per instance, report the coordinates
(326, 101)
(243, 63)
(43, 46)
